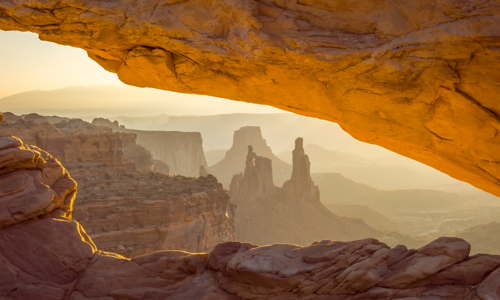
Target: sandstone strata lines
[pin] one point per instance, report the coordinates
(416, 77)
(46, 255)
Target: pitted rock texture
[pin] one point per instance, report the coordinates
(416, 77)
(51, 257)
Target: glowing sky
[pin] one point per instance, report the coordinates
(26, 64)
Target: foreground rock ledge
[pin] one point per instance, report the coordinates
(417, 77)
(45, 255)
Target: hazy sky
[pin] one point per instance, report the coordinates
(26, 64)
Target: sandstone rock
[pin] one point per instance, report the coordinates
(295, 215)
(415, 77)
(105, 123)
(301, 187)
(203, 171)
(181, 151)
(77, 143)
(142, 158)
(150, 212)
(51, 257)
(233, 162)
(10, 117)
(161, 167)
(32, 183)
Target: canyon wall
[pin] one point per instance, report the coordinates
(234, 160)
(416, 77)
(181, 151)
(145, 213)
(79, 144)
(46, 255)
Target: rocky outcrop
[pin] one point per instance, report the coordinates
(161, 167)
(32, 183)
(46, 255)
(105, 123)
(295, 215)
(234, 160)
(77, 143)
(418, 78)
(141, 157)
(301, 187)
(203, 171)
(135, 214)
(181, 151)
(10, 117)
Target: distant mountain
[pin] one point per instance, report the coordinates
(111, 101)
(336, 188)
(483, 238)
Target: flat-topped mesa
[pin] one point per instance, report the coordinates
(181, 151)
(233, 162)
(301, 187)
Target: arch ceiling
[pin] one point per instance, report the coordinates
(421, 78)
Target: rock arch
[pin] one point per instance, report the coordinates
(417, 77)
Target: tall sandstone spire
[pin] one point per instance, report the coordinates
(301, 187)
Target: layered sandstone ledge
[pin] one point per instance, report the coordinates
(136, 214)
(46, 255)
(416, 77)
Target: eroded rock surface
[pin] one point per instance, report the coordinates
(46, 255)
(416, 77)
(181, 151)
(79, 144)
(136, 214)
(294, 212)
(234, 160)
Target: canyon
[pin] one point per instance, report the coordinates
(294, 211)
(181, 151)
(127, 205)
(46, 255)
(417, 78)
(136, 213)
(79, 144)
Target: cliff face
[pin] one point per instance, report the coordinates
(294, 212)
(146, 213)
(300, 186)
(233, 162)
(46, 255)
(139, 155)
(77, 143)
(181, 151)
(415, 77)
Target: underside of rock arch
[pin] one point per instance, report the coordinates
(421, 78)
